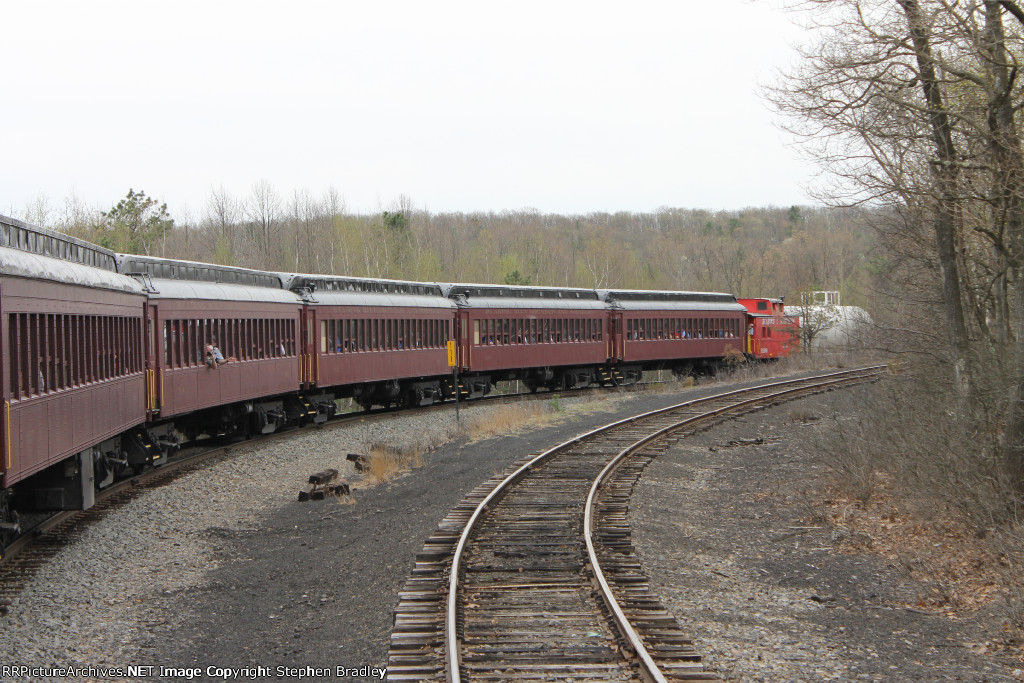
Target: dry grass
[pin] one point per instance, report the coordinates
(387, 462)
(912, 473)
(509, 419)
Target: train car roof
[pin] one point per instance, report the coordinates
(344, 283)
(219, 291)
(656, 300)
(177, 269)
(33, 239)
(343, 290)
(37, 266)
(521, 296)
(344, 298)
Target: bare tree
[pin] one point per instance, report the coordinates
(263, 209)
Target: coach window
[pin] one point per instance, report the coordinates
(31, 347)
(13, 370)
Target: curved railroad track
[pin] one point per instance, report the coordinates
(534, 577)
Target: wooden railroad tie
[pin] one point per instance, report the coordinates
(360, 462)
(322, 486)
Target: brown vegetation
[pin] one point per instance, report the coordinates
(753, 252)
(914, 106)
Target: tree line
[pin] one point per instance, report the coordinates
(767, 251)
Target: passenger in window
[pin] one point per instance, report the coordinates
(214, 358)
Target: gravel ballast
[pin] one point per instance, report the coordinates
(723, 528)
(223, 567)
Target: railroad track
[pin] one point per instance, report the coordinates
(534, 577)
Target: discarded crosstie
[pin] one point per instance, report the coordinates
(360, 462)
(322, 486)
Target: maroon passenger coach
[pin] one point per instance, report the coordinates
(72, 367)
(379, 341)
(250, 319)
(680, 330)
(548, 337)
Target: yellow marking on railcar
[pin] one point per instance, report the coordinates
(7, 429)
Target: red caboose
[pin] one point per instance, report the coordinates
(770, 332)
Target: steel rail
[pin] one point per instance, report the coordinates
(625, 628)
(451, 640)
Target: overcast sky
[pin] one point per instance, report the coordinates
(566, 107)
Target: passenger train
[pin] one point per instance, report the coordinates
(105, 368)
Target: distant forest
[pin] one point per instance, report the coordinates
(767, 251)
